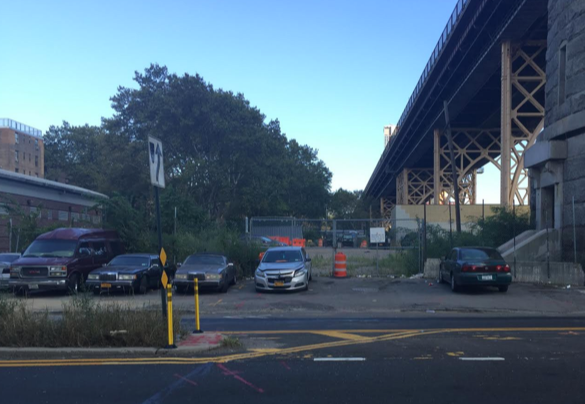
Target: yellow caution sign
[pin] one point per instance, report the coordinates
(163, 257)
(164, 279)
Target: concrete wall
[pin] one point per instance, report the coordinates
(537, 247)
(561, 273)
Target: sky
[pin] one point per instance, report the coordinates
(333, 72)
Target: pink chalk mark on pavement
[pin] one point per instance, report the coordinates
(202, 339)
(235, 375)
(239, 305)
(283, 363)
(178, 376)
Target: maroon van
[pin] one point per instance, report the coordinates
(62, 259)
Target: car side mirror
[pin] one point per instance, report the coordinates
(308, 260)
(179, 265)
(230, 264)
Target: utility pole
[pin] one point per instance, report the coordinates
(453, 168)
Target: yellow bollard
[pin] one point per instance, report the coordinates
(170, 316)
(196, 291)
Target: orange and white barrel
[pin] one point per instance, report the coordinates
(340, 270)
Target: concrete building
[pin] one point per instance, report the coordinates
(53, 204)
(21, 148)
(557, 159)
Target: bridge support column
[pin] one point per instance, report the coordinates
(437, 185)
(414, 186)
(522, 114)
(387, 204)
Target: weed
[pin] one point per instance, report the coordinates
(231, 343)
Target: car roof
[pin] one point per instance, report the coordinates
(288, 248)
(476, 248)
(77, 234)
(152, 256)
(208, 254)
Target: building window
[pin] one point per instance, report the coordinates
(37, 144)
(75, 216)
(16, 156)
(50, 214)
(63, 215)
(16, 138)
(36, 161)
(29, 157)
(563, 73)
(16, 170)
(3, 209)
(37, 175)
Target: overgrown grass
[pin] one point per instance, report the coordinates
(230, 342)
(83, 323)
(397, 263)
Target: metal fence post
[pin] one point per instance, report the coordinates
(574, 233)
(334, 245)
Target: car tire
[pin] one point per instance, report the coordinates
(225, 287)
(234, 280)
(503, 288)
(311, 275)
(142, 287)
(74, 284)
(454, 286)
(440, 280)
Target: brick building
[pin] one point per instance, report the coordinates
(51, 203)
(21, 148)
(557, 159)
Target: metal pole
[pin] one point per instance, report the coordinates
(17, 240)
(163, 297)
(547, 250)
(450, 226)
(334, 245)
(514, 231)
(574, 233)
(175, 229)
(453, 168)
(483, 209)
(424, 245)
(10, 232)
(196, 292)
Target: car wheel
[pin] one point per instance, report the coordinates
(234, 280)
(142, 287)
(225, 287)
(503, 288)
(440, 280)
(74, 284)
(311, 275)
(454, 286)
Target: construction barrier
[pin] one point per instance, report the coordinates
(299, 242)
(364, 244)
(340, 270)
(320, 242)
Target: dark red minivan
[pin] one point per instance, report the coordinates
(62, 259)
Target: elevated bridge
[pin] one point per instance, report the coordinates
(489, 66)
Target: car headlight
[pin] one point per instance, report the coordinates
(212, 276)
(58, 271)
(127, 277)
(300, 272)
(181, 276)
(93, 277)
(260, 274)
(14, 272)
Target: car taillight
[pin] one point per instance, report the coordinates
(468, 268)
(506, 268)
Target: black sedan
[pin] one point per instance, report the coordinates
(480, 266)
(211, 270)
(136, 272)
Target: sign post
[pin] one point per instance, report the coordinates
(377, 235)
(157, 179)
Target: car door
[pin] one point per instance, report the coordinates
(307, 261)
(101, 254)
(85, 255)
(453, 261)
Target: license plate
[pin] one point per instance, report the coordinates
(33, 286)
(106, 285)
(278, 283)
(486, 278)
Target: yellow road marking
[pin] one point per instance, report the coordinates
(394, 335)
(338, 334)
(216, 303)
(455, 354)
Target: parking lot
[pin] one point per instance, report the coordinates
(363, 297)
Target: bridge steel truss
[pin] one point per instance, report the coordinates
(522, 119)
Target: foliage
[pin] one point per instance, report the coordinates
(349, 205)
(83, 323)
(502, 226)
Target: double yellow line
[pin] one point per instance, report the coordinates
(347, 337)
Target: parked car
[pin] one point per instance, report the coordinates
(265, 241)
(211, 270)
(5, 260)
(284, 268)
(61, 259)
(135, 272)
(475, 266)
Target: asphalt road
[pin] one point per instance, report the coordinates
(458, 360)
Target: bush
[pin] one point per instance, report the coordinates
(84, 323)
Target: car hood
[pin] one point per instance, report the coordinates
(279, 266)
(202, 268)
(119, 269)
(4, 264)
(37, 261)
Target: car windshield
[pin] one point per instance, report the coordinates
(282, 256)
(51, 248)
(129, 261)
(8, 257)
(204, 260)
(480, 254)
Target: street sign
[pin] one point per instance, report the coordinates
(163, 257)
(377, 235)
(155, 161)
(164, 279)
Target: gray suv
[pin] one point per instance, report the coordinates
(284, 268)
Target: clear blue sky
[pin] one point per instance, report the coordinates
(333, 72)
